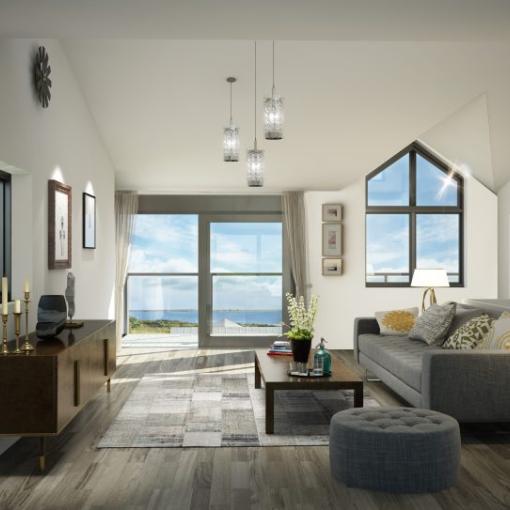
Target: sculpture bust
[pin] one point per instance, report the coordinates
(70, 294)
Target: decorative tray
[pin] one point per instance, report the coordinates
(309, 373)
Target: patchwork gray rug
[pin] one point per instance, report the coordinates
(213, 410)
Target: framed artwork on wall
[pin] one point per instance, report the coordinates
(331, 212)
(59, 225)
(89, 221)
(331, 239)
(331, 266)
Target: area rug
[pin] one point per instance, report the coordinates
(218, 410)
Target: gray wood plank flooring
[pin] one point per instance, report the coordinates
(79, 476)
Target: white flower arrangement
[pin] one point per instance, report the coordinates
(301, 318)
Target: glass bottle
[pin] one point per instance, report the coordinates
(324, 355)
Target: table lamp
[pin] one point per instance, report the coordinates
(429, 279)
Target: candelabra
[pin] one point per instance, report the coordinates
(5, 349)
(27, 346)
(17, 328)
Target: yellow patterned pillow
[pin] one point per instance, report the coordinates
(396, 322)
(498, 337)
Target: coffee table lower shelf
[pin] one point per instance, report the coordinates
(274, 374)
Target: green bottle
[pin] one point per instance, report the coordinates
(322, 353)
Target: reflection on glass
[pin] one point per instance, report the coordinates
(246, 247)
(247, 305)
(391, 186)
(433, 186)
(387, 248)
(164, 243)
(437, 243)
(163, 305)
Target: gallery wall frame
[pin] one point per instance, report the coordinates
(89, 221)
(60, 225)
(331, 239)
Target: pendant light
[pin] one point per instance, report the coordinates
(231, 133)
(273, 114)
(255, 157)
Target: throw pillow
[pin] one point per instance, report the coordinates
(432, 325)
(471, 334)
(499, 336)
(396, 322)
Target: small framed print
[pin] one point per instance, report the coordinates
(331, 212)
(332, 267)
(331, 239)
(59, 225)
(89, 221)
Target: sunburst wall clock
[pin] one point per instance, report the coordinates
(42, 71)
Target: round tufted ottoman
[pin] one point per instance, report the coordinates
(395, 449)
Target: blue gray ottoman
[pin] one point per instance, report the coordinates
(395, 449)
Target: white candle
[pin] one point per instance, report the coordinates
(27, 286)
(17, 306)
(5, 297)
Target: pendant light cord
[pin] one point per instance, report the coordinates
(230, 103)
(273, 72)
(255, 97)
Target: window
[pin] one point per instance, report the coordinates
(246, 278)
(414, 219)
(5, 225)
(162, 284)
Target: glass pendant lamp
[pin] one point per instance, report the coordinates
(255, 157)
(273, 113)
(231, 133)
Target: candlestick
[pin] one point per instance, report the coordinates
(27, 286)
(27, 346)
(5, 296)
(17, 306)
(5, 349)
(17, 328)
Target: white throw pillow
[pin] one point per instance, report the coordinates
(396, 322)
(498, 337)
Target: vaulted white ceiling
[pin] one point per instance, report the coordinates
(360, 80)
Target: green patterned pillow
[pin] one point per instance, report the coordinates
(470, 334)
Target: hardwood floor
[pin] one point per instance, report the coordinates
(79, 476)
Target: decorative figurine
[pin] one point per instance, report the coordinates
(69, 293)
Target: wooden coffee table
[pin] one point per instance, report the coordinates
(273, 370)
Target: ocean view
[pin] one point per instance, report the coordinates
(262, 317)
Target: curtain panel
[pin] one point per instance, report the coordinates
(294, 219)
(126, 207)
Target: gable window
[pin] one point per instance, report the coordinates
(414, 219)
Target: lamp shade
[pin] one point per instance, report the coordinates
(430, 278)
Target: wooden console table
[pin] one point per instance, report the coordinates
(41, 392)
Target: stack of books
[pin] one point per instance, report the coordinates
(280, 348)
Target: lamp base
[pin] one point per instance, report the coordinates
(432, 298)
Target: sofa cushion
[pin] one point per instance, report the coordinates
(471, 334)
(397, 354)
(397, 322)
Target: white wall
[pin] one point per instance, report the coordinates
(504, 241)
(345, 297)
(59, 142)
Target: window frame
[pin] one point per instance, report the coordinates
(6, 226)
(413, 210)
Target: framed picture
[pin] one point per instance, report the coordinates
(332, 267)
(331, 239)
(89, 221)
(59, 225)
(331, 212)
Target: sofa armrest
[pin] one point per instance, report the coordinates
(363, 325)
(471, 386)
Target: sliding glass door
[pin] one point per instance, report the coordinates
(217, 279)
(242, 279)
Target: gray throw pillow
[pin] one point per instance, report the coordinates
(432, 325)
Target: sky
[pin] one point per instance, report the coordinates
(169, 243)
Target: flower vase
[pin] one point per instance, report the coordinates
(301, 350)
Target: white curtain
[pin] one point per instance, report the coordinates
(293, 206)
(126, 207)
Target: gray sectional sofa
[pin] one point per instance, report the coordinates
(471, 386)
